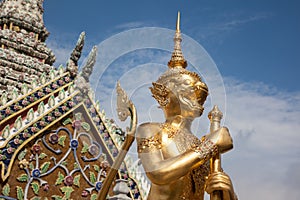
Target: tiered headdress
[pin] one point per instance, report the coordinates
(174, 76)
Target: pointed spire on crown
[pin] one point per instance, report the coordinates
(177, 59)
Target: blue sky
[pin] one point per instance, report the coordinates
(252, 40)
(256, 48)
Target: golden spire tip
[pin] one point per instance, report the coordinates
(177, 59)
(178, 22)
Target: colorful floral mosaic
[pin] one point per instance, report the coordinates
(66, 158)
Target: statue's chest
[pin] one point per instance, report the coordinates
(175, 142)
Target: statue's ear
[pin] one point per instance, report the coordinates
(160, 92)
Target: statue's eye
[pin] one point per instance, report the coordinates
(187, 82)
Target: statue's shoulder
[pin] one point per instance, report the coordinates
(147, 130)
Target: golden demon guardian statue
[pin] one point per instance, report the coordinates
(175, 160)
(179, 165)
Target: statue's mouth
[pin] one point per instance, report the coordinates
(193, 104)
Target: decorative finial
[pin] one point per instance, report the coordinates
(215, 116)
(76, 53)
(88, 67)
(72, 65)
(177, 59)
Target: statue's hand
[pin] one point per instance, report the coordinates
(220, 181)
(222, 139)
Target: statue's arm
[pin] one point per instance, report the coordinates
(163, 171)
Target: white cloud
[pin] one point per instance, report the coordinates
(264, 124)
(61, 51)
(235, 21)
(226, 23)
(62, 45)
(130, 25)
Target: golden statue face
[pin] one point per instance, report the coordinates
(190, 97)
(180, 92)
